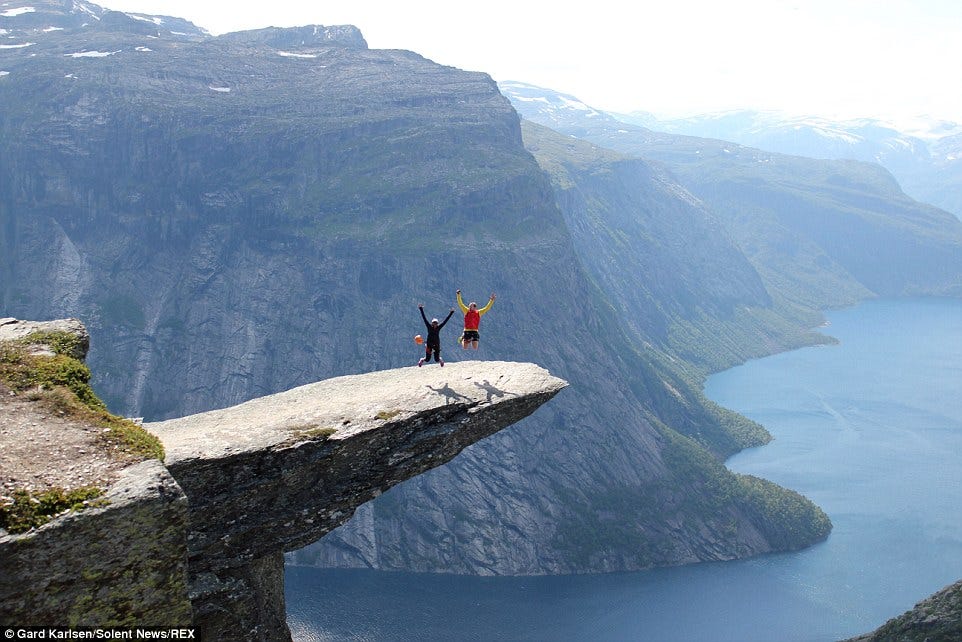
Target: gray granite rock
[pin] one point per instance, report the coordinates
(278, 472)
(200, 538)
(13, 329)
(121, 564)
(937, 618)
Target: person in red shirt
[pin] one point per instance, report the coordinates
(472, 320)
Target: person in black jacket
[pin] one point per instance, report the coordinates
(433, 341)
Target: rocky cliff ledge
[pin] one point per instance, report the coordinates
(937, 618)
(260, 478)
(277, 473)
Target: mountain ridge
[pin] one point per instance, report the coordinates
(922, 154)
(835, 210)
(240, 215)
(234, 222)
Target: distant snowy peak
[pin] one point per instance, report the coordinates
(865, 139)
(948, 150)
(890, 143)
(532, 93)
(927, 128)
(860, 129)
(547, 106)
(549, 99)
(34, 19)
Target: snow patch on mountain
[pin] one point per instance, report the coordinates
(827, 132)
(16, 11)
(927, 128)
(291, 54)
(156, 20)
(92, 54)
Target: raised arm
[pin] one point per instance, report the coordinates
(461, 305)
(446, 319)
(488, 306)
(421, 310)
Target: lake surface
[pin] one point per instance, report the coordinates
(870, 429)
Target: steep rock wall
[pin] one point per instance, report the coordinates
(200, 538)
(234, 221)
(122, 564)
(276, 473)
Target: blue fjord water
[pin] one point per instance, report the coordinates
(870, 429)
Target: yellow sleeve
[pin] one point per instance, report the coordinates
(487, 307)
(464, 308)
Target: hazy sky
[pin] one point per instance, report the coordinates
(848, 58)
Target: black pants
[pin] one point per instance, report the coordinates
(437, 352)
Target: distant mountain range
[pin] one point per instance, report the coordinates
(236, 215)
(820, 232)
(925, 155)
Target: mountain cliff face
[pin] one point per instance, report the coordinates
(677, 276)
(934, 619)
(211, 186)
(820, 233)
(923, 156)
(239, 215)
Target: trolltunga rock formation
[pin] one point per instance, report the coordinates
(200, 537)
(278, 472)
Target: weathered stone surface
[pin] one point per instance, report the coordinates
(201, 540)
(12, 329)
(242, 603)
(124, 563)
(278, 472)
(937, 618)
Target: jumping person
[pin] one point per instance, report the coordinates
(472, 319)
(433, 342)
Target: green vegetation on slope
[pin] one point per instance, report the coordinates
(60, 384)
(701, 501)
(790, 521)
(29, 510)
(821, 233)
(689, 304)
